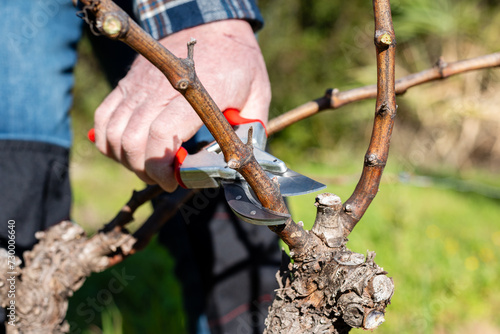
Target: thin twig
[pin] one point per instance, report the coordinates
(335, 99)
(125, 215)
(165, 209)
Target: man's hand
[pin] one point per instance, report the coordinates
(144, 121)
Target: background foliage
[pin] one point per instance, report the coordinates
(435, 222)
(311, 46)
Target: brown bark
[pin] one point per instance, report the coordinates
(57, 266)
(385, 112)
(329, 289)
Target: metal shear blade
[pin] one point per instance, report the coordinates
(206, 169)
(244, 204)
(294, 184)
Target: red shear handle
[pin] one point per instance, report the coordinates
(91, 135)
(180, 156)
(233, 117)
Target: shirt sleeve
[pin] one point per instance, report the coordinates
(164, 17)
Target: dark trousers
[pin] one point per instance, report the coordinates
(35, 192)
(226, 267)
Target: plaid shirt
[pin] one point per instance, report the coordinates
(163, 17)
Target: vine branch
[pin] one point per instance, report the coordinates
(385, 112)
(331, 289)
(125, 215)
(111, 21)
(334, 99)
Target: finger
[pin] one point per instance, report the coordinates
(175, 125)
(102, 115)
(118, 121)
(135, 138)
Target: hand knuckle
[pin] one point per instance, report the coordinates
(157, 131)
(130, 141)
(113, 133)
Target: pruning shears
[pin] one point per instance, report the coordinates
(207, 169)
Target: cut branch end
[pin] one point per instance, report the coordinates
(190, 46)
(113, 25)
(328, 226)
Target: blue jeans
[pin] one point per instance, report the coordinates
(37, 56)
